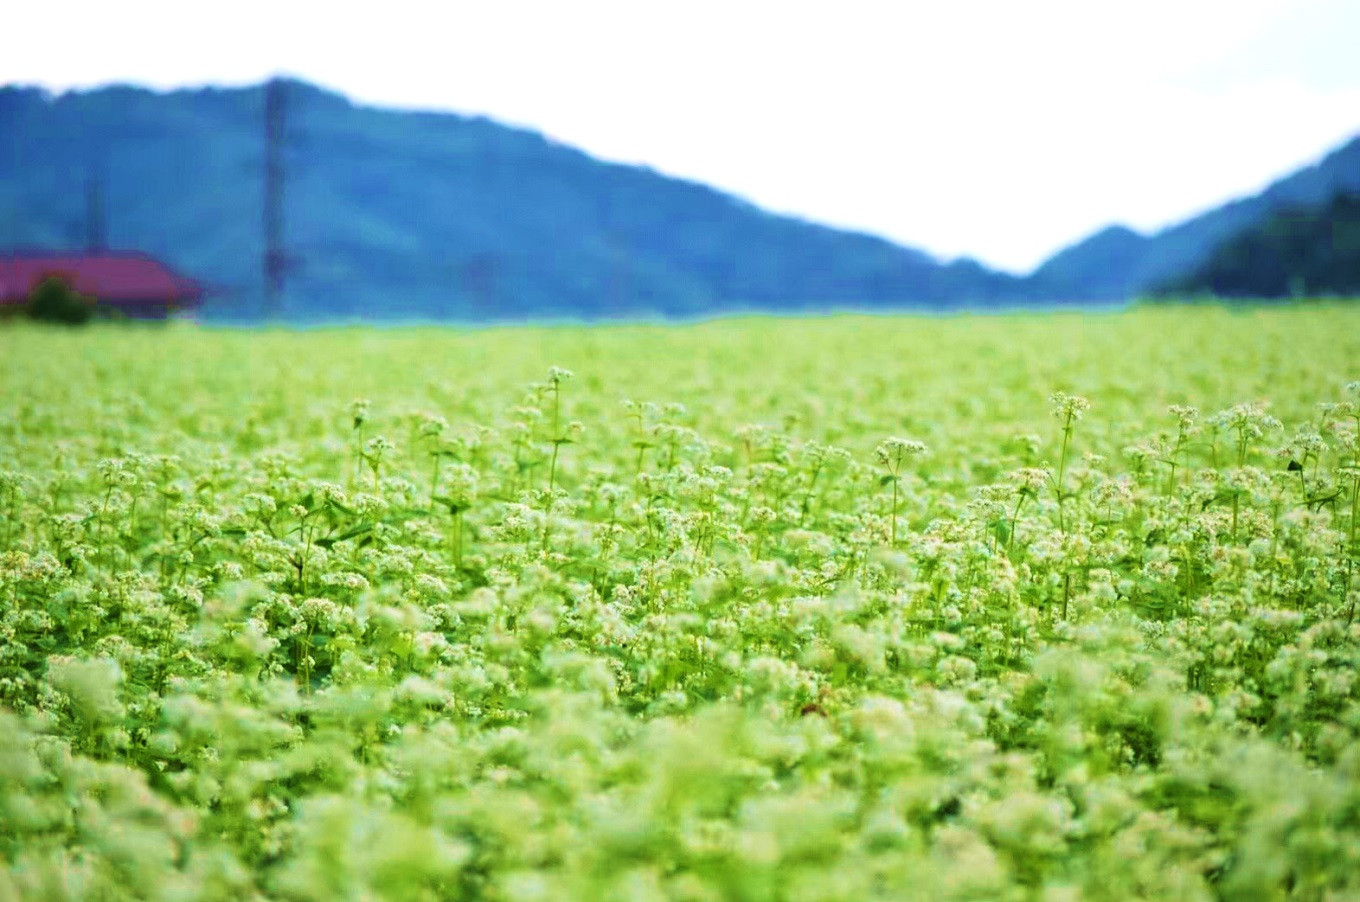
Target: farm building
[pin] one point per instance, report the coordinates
(131, 284)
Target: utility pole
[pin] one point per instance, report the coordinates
(96, 229)
(275, 258)
(16, 226)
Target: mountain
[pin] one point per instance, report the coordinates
(390, 214)
(1297, 251)
(1095, 267)
(1118, 263)
(409, 215)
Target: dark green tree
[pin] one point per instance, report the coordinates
(1298, 251)
(54, 301)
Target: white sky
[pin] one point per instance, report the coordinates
(1000, 129)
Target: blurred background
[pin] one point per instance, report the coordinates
(526, 160)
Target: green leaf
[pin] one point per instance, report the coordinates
(353, 531)
(1317, 501)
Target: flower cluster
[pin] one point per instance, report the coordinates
(460, 639)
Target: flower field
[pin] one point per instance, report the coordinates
(1014, 607)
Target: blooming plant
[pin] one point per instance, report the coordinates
(724, 642)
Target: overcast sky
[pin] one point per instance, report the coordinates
(999, 129)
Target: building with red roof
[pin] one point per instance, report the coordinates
(134, 285)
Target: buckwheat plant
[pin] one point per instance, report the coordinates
(359, 410)
(1247, 423)
(1186, 427)
(376, 450)
(557, 438)
(250, 651)
(1067, 409)
(892, 455)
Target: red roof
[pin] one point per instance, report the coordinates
(108, 277)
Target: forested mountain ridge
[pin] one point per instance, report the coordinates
(1119, 263)
(1297, 251)
(393, 214)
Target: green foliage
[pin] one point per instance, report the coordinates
(1285, 224)
(1297, 251)
(54, 302)
(489, 633)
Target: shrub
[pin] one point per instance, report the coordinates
(56, 302)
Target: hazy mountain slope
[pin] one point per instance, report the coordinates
(400, 214)
(1096, 267)
(1297, 251)
(1119, 263)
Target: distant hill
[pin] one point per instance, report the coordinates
(1119, 263)
(1096, 267)
(421, 215)
(408, 215)
(1296, 251)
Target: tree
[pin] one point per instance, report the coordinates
(56, 302)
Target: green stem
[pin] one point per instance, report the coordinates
(1355, 508)
(1015, 521)
(434, 478)
(1062, 472)
(893, 515)
(557, 409)
(103, 522)
(458, 539)
(807, 495)
(358, 456)
(304, 665)
(302, 567)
